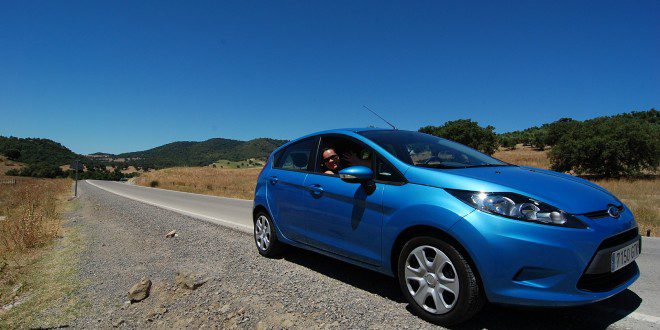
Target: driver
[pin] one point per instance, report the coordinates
(331, 161)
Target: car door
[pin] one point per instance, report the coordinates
(286, 187)
(344, 218)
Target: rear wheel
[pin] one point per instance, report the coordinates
(265, 237)
(438, 282)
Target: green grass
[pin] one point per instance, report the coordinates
(248, 163)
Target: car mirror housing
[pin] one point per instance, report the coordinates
(356, 174)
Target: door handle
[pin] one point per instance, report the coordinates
(316, 190)
(273, 180)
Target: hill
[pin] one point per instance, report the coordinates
(549, 134)
(36, 151)
(191, 153)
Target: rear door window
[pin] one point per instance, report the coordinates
(298, 156)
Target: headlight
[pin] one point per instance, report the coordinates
(517, 207)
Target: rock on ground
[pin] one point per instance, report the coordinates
(140, 290)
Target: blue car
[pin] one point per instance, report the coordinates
(456, 227)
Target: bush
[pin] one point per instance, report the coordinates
(13, 172)
(13, 154)
(467, 132)
(153, 184)
(39, 171)
(610, 147)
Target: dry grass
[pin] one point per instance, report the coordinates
(642, 196)
(524, 156)
(235, 183)
(31, 209)
(6, 165)
(38, 281)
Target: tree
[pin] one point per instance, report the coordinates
(507, 142)
(467, 132)
(558, 129)
(610, 147)
(41, 170)
(13, 154)
(539, 139)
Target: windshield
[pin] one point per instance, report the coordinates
(425, 150)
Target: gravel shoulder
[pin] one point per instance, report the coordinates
(124, 240)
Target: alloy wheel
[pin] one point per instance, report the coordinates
(262, 232)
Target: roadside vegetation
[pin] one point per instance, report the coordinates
(622, 146)
(234, 183)
(248, 163)
(33, 275)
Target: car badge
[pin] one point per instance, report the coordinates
(613, 211)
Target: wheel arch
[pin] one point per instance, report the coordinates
(425, 230)
(260, 208)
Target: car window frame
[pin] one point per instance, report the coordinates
(398, 173)
(282, 151)
(375, 155)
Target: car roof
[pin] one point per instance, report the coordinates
(352, 130)
(336, 130)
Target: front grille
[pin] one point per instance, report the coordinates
(601, 213)
(606, 281)
(619, 238)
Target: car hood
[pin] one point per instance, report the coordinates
(569, 193)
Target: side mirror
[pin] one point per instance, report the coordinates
(356, 174)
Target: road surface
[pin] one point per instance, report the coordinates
(638, 307)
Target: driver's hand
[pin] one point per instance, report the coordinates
(350, 157)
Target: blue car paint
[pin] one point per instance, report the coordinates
(343, 216)
(520, 263)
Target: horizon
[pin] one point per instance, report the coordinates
(262, 137)
(118, 77)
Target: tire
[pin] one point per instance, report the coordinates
(451, 282)
(265, 236)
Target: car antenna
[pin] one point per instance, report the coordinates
(379, 116)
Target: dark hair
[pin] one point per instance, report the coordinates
(324, 150)
(328, 148)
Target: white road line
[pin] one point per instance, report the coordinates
(226, 223)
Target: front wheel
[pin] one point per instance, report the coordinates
(265, 237)
(438, 282)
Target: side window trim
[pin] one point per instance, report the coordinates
(398, 173)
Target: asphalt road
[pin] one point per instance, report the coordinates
(638, 307)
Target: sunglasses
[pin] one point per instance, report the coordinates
(333, 157)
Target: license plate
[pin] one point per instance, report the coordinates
(624, 256)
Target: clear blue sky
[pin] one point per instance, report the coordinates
(119, 76)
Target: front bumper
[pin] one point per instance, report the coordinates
(522, 263)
